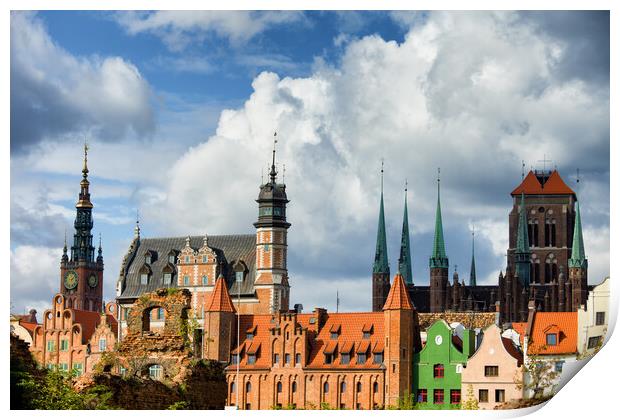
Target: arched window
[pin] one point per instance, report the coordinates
(155, 372)
(359, 387)
(248, 387)
(205, 280)
(375, 387)
(548, 232)
(343, 387)
(294, 387)
(279, 387)
(326, 387)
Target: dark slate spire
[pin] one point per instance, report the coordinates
(472, 272)
(100, 251)
(272, 198)
(404, 261)
(522, 253)
(438, 258)
(381, 264)
(578, 256)
(82, 248)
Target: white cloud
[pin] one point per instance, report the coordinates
(178, 28)
(54, 93)
(472, 93)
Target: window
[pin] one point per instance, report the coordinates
(438, 371)
(558, 366)
(251, 359)
(239, 276)
(328, 359)
(366, 334)
(147, 259)
(155, 371)
(438, 396)
(205, 259)
(144, 278)
(185, 280)
(500, 395)
(51, 366)
(378, 358)
(63, 367)
(358, 387)
(248, 387)
(298, 358)
(64, 345)
(483, 395)
(51, 345)
(343, 387)
(287, 359)
(102, 344)
(294, 387)
(325, 387)
(187, 259)
(276, 359)
(78, 368)
(235, 359)
(279, 387)
(232, 387)
(375, 387)
(122, 371)
(345, 358)
(422, 396)
(171, 258)
(167, 278)
(361, 358)
(161, 314)
(552, 339)
(491, 371)
(594, 342)
(249, 336)
(248, 406)
(334, 336)
(205, 280)
(455, 396)
(600, 318)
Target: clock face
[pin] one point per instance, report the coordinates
(71, 280)
(92, 280)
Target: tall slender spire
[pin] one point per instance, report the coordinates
(472, 272)
(404, 261)
(523, 245)
(84, 196)
(578, 255)
(381, 264)
(438, 257)
(273, 172)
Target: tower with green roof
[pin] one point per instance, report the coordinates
(522, 251)
(380, 267)
(404, 260)
(578, 264)
(438, 262)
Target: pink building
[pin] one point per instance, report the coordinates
(492, 369)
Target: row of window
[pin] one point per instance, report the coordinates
(334, 335)
(345, 358)
(64, 345)
(438, 396)
(550, 233)
(64, 367)
(168, 278)
(483, 395)
(343, 387)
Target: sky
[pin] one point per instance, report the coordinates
(179, 110)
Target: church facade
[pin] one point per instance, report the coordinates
(546, 260)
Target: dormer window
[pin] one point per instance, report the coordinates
(144, 278)
(334, 332)
(205, 259)
(167, 278)
(147, 258)
(239, 276)
(172, 257)
(552, 339)
(367, 330)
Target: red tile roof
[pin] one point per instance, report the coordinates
(30, 326)
(90, 320)
(564, 324)
(350, 336)
(220, 301)
(532, 186)
(398, 298)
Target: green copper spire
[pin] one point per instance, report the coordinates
(472, 272)
(578, 255)
(522, 253)
(381, 264)
(438, 258)
(404, 261)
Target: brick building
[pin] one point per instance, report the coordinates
(546, 259)
(253, 266)
(289, 359)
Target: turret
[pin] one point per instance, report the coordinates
(219, 323)
(578, 265)
(522, 251)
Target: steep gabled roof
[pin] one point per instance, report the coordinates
(398, 298)
(566, 324)
(220, 301)
(554, 185)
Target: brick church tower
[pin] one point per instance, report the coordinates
(81, 275)
(438, 264)
(271, 242)
(381, 266)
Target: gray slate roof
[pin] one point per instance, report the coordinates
(229, 248)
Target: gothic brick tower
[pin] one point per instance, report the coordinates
(402, 329)
(550, 216)
(81, 276)
(578, 265)
(271, 242)
(219, 323)
(381, 267)
(438, 263)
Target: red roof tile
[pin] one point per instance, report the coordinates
(398, 298)
(564, 324)
(554, 185)
(89, 321)
(220, 301)
(30, 326)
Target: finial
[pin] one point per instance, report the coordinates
(261, 176)
(187, 241)
(273, 172)
(406, 184)
(205, 240)
(85, 168)
(438, 181)
(577, 180)
(456, 268)
(381, 176)
(283, 171)
(136, 230)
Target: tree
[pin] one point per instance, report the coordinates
(470, 403)
(538, 374)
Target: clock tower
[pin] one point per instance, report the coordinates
(81, 274)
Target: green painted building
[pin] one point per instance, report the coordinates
(437, 367)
